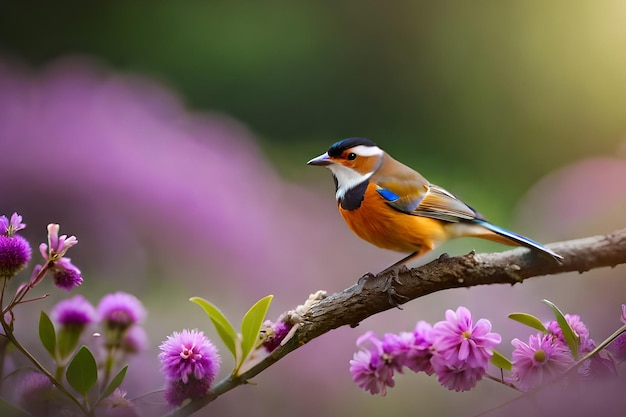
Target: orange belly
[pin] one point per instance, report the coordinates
(385, 227)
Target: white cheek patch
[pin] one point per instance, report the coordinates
(347, 178)
(363, 150)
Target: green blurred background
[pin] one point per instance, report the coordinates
(484, 98)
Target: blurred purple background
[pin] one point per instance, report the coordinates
(168, 203)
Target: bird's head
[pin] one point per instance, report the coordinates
(351, 161)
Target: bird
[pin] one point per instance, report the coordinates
(392, 206)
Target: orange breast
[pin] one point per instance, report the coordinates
(385, 227)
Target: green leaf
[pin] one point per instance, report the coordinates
(67, 340)
(47, 335)
(528, 320)
(572, 339)
(501, 361)
(82, 372)
(251, 325)
(221, 323)
(115, 382)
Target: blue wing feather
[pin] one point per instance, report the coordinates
(388, 195)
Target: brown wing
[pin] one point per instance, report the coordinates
(441, 204)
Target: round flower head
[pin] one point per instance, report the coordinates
(539, 361)
(177, 391)
(120, 310)
(187, 355)
(371, 368)
(455, 374)
(75, 311)
(421, 351)
(135, 339)
(65, 274)
(117, 405)
(458, 337)
(15, 252)
(585, 343)
(34, 392)
(275, 333)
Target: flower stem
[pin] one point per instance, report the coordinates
(38, 365)
(19, 296)
(108, 366)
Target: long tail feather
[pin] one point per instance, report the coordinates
(520, 240)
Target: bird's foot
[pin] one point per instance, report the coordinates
(368, 276)
(392, 277)
(445, 256)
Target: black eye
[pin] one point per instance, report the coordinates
(351, 156)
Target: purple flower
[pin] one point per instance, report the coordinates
(410, 349)
(74, 312)
(120, 310)
(618, 348)
(599, 366)
(9, 227)
(275, 333)
(117, 405)
(188, 355)
(539, 361)
(177, 391)
(371, 368)
(418, 358)
(455, 374)
(33, 392)
(585, 344)
(458, 339)
(135, 339)
(15, 253)
(65, 274)
(57, 245)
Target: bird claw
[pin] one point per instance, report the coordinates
(392, 278)
(366, 277)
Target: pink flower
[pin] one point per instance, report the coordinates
(121, 310)
(57, 245)
(456, 375)
(541, 360)
(76, 311)
(585, 344)
(275, 333)
(411, 349)
(65, 275)
(371, 369)
(9, 227)
(15, 252)
(189, 355)
(458, 339)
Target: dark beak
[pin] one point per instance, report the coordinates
(321, 160)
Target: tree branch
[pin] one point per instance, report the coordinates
(368, 297)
